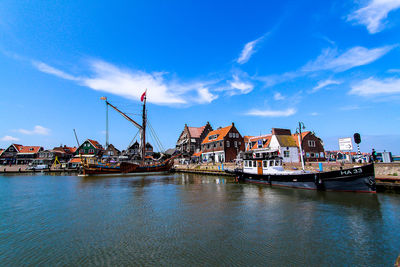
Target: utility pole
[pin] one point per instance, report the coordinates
(298, 131)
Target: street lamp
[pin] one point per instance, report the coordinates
(298, 131)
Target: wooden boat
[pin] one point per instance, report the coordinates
(127, 166)
(267, 169)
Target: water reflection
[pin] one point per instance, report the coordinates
(185, 219)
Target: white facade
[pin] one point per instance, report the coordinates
(219, 156)
(288, 154)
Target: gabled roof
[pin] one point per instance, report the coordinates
(17, 147)
(266, 140)
(112, 147)
(75, 160)
(195, 132)
(95, 144)
(296, 137)
(29, 149)
(198, 154)
(286, 141)
(221, 132)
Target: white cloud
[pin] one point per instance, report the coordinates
(43, 67)
(205, 96)
(322, 84)
(239, 86)
(37, 130)
(373, 14)
(330, 59)
(272, 113)
(130, 84)
(278, 96)
(9, 138)
(248, 50)
(376, 87)
(314, 114)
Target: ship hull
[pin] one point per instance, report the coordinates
(359, 179)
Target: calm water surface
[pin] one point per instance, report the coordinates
(184, 220)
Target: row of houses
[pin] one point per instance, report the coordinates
(37, 155)
(203, 144)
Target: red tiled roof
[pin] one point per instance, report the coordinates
(198, 154)
(195, 132)
(75, 160)
(29, 149)
(18, 147)
(296, 136)
(95, 144)
(222, 132)
(266, 140)
(1, 151)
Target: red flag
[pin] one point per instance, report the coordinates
(143, 96)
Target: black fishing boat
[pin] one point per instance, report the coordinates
(267, 169)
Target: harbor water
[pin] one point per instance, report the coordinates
(186, 220)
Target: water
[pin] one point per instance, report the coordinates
(185, 220)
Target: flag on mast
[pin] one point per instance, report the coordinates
(103, 98)
(143, 96)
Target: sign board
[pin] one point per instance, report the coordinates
(345, 144)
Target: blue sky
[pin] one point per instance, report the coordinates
(334, 65)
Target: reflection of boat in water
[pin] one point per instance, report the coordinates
(96, 167)
(267, 169)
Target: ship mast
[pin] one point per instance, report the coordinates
(144, 130)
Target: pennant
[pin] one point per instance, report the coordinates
(103, 98)
(143, 96)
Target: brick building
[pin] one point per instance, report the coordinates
(222, 145)
(189, 141)
(312, 146)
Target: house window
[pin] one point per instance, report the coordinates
(208, 146)
(237, 135)
(240, 143)
(111, 153)
(81, 151)
(311, 143)
(316, 155)
(307, 155)
(11, 149)
(286, 154)
(228, 144)
(215, 144)
(265, 164)
(230, 135)
(91, 151)
(235, 143)
(321, 155)
(312, 155)
(220, 143)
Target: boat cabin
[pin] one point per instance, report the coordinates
(262, 163)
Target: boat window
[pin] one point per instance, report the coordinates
(254, 163)
(249, 163)
(246, 163)
(265, 163)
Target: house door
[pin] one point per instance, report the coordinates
(259, 167)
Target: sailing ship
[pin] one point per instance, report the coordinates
(96, 167)
(266, 168)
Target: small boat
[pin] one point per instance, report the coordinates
(266, 168)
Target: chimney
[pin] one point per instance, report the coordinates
(233, 124)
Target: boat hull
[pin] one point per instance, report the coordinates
(359, 179)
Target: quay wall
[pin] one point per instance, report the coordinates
(381, 169)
